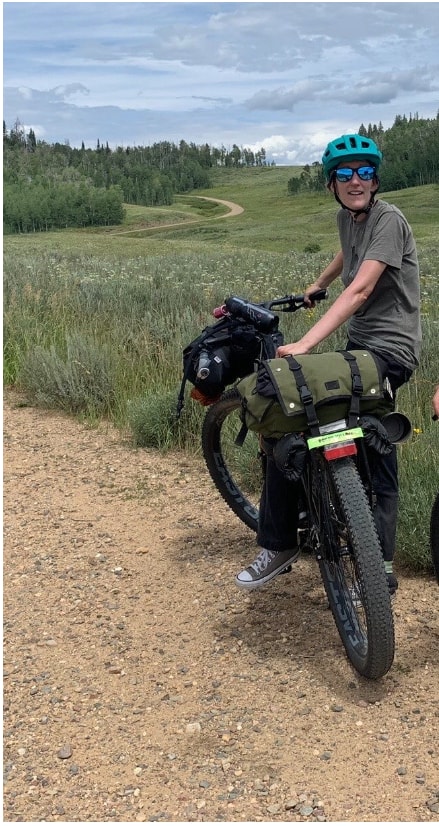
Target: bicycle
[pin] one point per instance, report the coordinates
(336, 517)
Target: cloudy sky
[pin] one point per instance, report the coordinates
(286, 76)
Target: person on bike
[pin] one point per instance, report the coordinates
(380, 302)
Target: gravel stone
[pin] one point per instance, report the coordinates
(65, 752)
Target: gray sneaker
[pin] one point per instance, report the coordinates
(265, 567)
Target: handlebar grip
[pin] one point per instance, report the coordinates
(319, 295)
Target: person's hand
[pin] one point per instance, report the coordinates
(313, 288)
(294, 349)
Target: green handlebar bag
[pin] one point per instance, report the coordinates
(299, 393)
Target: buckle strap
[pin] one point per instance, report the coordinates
(305, 395)
(357, 387)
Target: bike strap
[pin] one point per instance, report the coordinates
(305, 395)
(180, 399)
(240, 438)
(357, 388)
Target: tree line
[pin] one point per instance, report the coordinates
(47, 186)
(410, 150)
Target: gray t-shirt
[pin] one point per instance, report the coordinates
(389, 320)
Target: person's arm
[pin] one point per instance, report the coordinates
(329, 274)
(347, 303)
(436, 402)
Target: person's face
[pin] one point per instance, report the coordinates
(355, 194)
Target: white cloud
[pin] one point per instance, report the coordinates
(25, 92)
(286, 76)
(303, 90)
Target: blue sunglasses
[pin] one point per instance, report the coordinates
(365, 173)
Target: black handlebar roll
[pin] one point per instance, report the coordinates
(263, 319)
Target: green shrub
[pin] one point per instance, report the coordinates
(81, 382)
(312, 246)
(152, 419)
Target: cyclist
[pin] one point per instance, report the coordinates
(378, 266)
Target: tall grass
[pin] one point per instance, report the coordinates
(142, 311)
(101, 334)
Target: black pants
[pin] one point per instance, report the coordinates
(278, 511)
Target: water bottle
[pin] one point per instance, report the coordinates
(203, 365)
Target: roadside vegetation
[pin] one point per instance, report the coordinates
(95, 320)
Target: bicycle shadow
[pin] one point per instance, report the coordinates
(286, 621)
(289, 624)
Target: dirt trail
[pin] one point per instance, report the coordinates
(141, 685)
(234, 209)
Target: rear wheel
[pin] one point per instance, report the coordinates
(351, 564)
(236, 470)
(434, 536)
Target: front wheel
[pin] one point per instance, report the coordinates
(236, 469)
(351, 564)
(434, 536)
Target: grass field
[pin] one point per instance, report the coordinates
(272, 221)
(95, 321)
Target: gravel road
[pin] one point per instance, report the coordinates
(141, 685)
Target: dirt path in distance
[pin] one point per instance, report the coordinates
(141, 685)
(234, 209)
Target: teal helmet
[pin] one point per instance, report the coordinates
(350, 148)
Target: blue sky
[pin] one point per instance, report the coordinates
(286, 76)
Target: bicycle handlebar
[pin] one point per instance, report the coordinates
(260, 314)
(294, 302)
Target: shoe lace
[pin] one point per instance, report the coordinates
(262, 561)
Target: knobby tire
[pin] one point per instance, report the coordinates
(351, 565)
